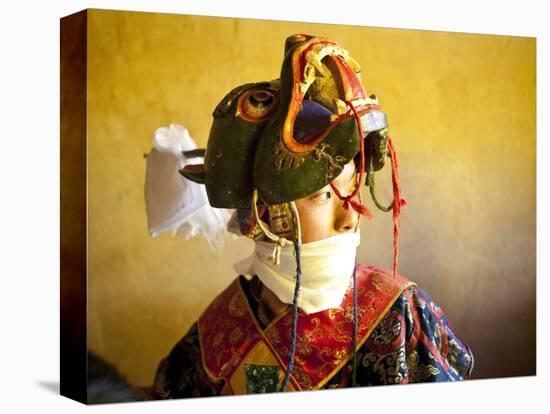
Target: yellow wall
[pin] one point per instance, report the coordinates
(462, 116)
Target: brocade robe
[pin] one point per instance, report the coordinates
(403, 337)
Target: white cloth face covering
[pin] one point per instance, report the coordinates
(327, 266)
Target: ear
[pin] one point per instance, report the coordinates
(194, 172)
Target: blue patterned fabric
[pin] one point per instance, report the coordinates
(414, 342)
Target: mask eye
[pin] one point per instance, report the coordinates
(257, 105)
(227, 102)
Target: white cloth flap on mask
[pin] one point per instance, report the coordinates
(174, 203)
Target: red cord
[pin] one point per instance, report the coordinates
(398, 202)
(349, 199)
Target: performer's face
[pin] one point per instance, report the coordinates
(323, 215)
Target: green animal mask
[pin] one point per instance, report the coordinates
(289, 137)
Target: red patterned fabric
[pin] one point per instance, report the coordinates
(228, 329)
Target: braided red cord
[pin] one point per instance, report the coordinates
(398, 202)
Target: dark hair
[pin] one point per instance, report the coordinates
(106, 384)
